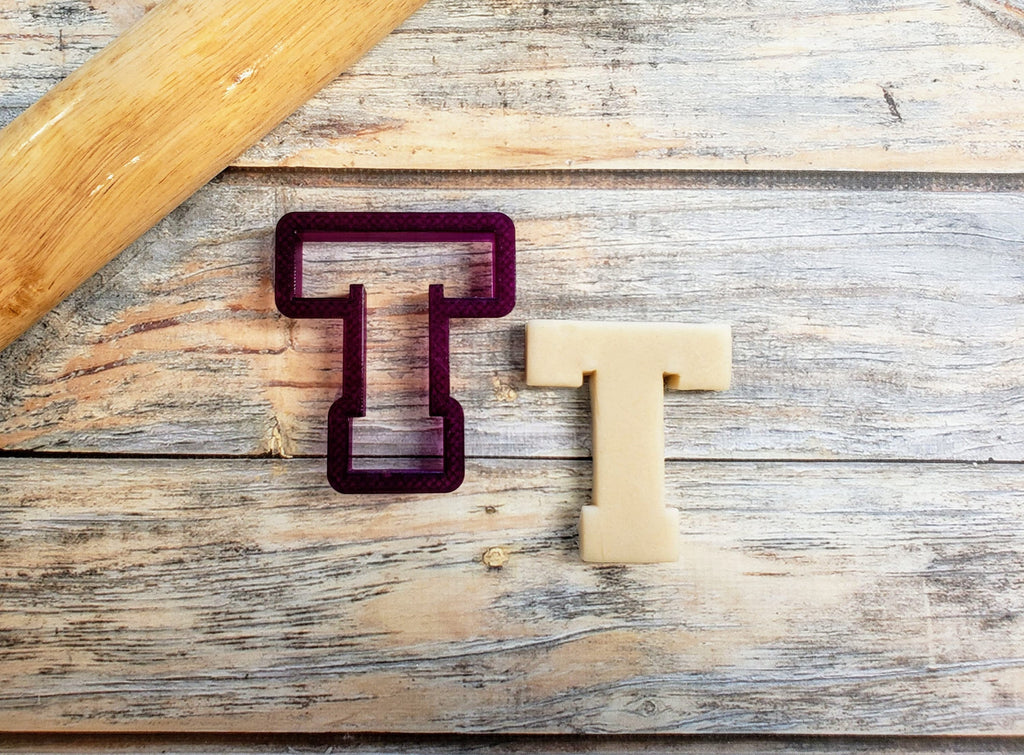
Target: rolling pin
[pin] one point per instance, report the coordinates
(155, 115)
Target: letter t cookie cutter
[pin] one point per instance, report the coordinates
(445, 227)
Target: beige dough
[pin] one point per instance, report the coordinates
(628, 363)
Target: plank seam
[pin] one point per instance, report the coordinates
(310, 177)
(504, 743)
(140, 456)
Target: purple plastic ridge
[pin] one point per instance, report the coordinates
(295, 228)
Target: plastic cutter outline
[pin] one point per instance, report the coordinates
(297, 227)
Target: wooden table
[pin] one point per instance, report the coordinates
(841, 181)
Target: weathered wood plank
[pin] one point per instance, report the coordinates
(911, 84)
(866, 325)
(244, 594)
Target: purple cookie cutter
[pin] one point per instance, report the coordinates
(298, 227)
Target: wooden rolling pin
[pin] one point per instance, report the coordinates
(130, 135)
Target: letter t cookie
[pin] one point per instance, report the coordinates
(628, 363)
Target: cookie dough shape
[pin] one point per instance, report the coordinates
(629, 365)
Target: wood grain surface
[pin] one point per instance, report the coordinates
(173, 562)
(244, 594)
(866, 325)
(831, 84)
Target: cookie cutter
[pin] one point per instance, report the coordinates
(444, 227)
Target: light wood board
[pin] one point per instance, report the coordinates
(866, 325)
(470, 84)
(161, 595)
